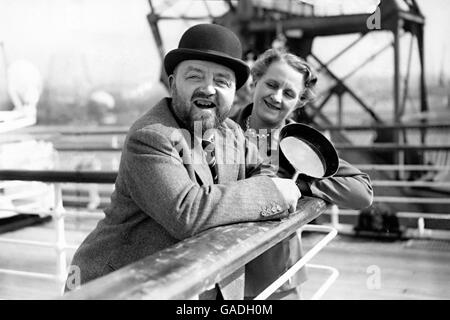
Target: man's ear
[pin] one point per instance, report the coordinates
(171, 79)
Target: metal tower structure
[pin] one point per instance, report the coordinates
(258, 23)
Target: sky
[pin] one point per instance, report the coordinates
(76, 43)
(437, 39)
(437, 44)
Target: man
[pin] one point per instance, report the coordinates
(168, 188)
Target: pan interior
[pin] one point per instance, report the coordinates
(302, 157)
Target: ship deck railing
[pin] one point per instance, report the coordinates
(215, 255)
(64, 181)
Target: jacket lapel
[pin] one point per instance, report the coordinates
(199, 163)
(193, 156)
(227, 157)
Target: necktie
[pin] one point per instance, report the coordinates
(208, 147)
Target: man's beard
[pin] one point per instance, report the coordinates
(184, 113)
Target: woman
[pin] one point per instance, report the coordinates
(282, 83)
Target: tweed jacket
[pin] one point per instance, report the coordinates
(347, 188)
(164, 193)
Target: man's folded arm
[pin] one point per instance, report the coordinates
(182, 206)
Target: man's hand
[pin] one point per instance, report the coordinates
(289, 190)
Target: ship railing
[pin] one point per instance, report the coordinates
(427, 143)
(228, 249)
(435, 151)
(423, 217)
(194, 265)
(58, 212)
(425, 139)
(115, 146)
(436, 154)
(432, 170)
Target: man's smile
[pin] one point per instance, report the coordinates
(204, 103)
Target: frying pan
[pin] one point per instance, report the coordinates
(306, 151)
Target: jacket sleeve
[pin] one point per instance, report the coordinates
(160, 185)
(348, 188)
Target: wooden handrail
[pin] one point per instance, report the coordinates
(400, 126)
(341, 146)
(404, 167)
(59, 176)
(122, 130)
(67, 130)
(193, 265)
(400, 214)
(390, 147)
(411, 200)
(415, 183)
(88, 149)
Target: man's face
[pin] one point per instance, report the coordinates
(202, 91)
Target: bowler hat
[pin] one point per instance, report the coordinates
(213, 43)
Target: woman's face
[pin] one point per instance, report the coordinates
(277, 93)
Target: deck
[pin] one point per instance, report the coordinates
(411, 269)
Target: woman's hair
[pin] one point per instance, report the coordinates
(273, 55)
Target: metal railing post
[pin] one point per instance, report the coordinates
(330, 234)
(334, 216)
(60, 245)
(334, 274)
(421, 226)
(115, 141)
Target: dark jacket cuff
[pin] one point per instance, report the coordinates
(304, 186)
